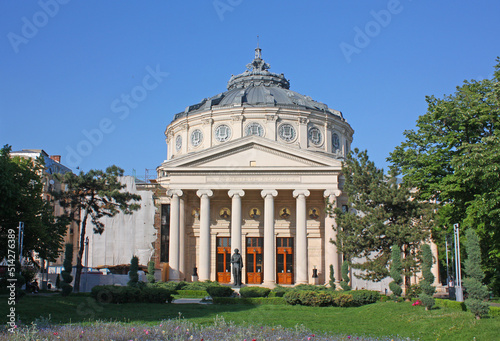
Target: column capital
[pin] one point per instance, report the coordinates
(332, 192)
(265, 192)
(208, 192)
(238, 192)
(172, 192)
(303, 192)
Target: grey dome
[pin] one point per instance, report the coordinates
(257, 87)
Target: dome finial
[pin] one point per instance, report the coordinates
(258, 51)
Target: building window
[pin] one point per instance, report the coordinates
(223, 133)
(254, 129)
(165, 232)
(335, 142)
(287, 132)
(196, 137)
(315, 136)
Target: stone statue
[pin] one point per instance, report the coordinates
(237, 263)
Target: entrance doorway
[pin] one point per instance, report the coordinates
(284, 260)
(254, 260)
(224, 260)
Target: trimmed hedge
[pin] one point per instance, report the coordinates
(250, 300)
(192, 293)
(494, 311)
(363, 297)
(220, 291)
(325, 298)
(254, 292)
(279, 291)
(450, 304)
(128, 294)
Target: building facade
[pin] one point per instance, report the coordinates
(252, 168)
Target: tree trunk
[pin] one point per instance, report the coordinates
(79, 265)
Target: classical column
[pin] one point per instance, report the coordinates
(173, 245)
(182, 239)
(301, 235)
(235, 195)
(269, 249)
(435, 264)
(331, 254)
(204, 254)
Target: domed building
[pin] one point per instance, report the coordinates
(252, 169)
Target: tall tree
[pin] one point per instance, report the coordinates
(395, 285)
(428, 289)
(21, 200)
(91, 196)
(382, 214)
(478, 293)
(452, 158)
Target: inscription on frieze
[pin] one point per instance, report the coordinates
(253, 179)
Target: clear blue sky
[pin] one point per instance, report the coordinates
(67, 65)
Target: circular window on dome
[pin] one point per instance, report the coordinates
(196, 137)
(335, 141)
(287, 132)
(254, 129)
(222, 133)
(315, 136)
(178, 142)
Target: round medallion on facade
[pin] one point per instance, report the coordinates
(335, 141)
(313, 213)
(222, 133)
(196, 137)
(254, 128)
(178, 142)
(254, 213)
(225, 213)
(315, 136)
(287, 132)
(285, 213)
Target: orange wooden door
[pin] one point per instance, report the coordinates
(254, 261)
(223, 260)
(284, 260)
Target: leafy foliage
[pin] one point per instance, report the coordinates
(345, 276)
(478, 293)
(97, 194)
(66, 273)
(254, 292)
(382, 214)
(21, 185)
(130, 294)
(428, 278)
(151, 272)
(452, 158)
(220, 291)
(133, 274)
(333, 286)
(395, 285)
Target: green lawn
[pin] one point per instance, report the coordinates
(380, 319)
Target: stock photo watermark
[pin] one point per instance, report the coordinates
(11, 280)
(363, 36)
(121, 106)
(32, 25)
(223, 6)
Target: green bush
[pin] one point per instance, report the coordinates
(172, 285)
(66, 273)
(250, 300)
(363, 297)
(130, 294)
(279, 291)
(451, 304)
(254, 292)
(219, 291)
(494, 311)
(342, 300)
(292, 297)
(200, 285)
(309, 287)
(192, 293)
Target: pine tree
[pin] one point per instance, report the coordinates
(332, 278)
(151, 271)
(395, 285)
(133, 272)
(478, 293)
(66, 273)
(428, 278)
(345, 276)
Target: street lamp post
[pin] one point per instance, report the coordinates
(458, 288)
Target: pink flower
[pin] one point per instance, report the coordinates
(56, 333)
(132, 330)
(349, 336)
(309, 338)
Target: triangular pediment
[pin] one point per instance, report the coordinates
(253, 151)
